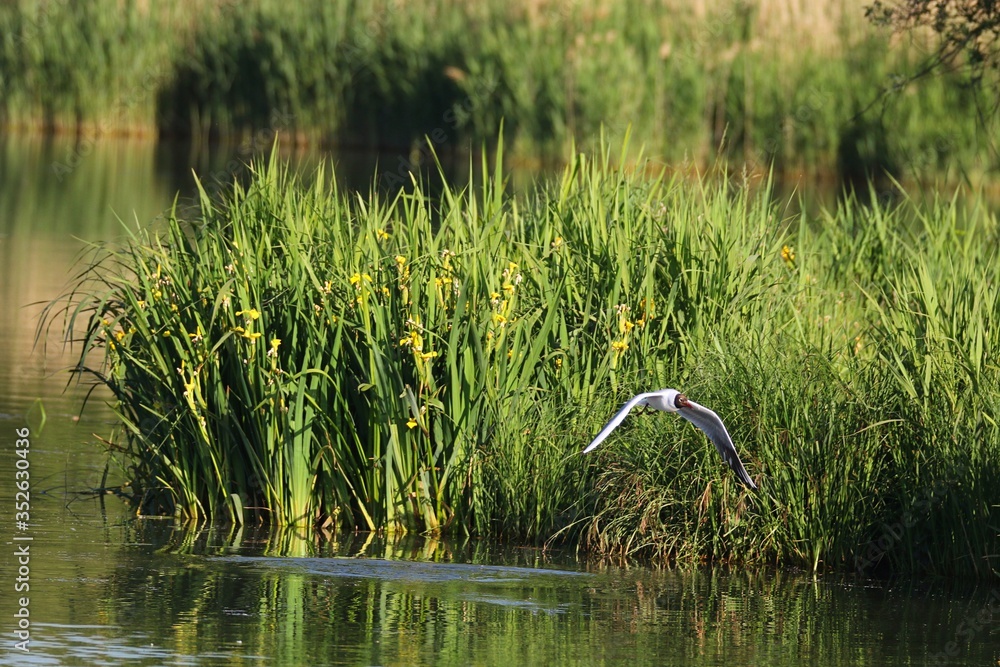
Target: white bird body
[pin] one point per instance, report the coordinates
(671, 400)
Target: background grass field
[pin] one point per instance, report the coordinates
(769, 82)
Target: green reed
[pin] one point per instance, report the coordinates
(295, 354)
(731, 80)
(95, 65)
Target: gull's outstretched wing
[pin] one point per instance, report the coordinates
(639, 399)
(713, 427)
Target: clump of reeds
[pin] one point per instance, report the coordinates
(861, 380)
(318, 358)
(437, 363)
(715, 79)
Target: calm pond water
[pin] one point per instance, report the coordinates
(109, 589)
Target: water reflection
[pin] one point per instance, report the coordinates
(132, 591)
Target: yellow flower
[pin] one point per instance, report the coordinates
(141, 304)
(558, 362)
(557, 243)
(400, 260)
(788, 253)
(355, 279)
(252, 335)
(411, 423)
(428, 355)
(499, 319)
(381, 234)
(166, 333)
(619, 346)
(507, 287)
(253, 313)
(446, 256)
(275, 342)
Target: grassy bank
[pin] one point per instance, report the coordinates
(294, 354)
(773, 80)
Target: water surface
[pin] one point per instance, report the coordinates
(108, 589)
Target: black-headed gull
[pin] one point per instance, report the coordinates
(671, 400)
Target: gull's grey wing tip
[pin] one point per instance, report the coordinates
(742, 474)
(728, 451)
(732, 459)
(712, 425)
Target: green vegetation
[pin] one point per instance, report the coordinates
(293, 354)
(754, 81)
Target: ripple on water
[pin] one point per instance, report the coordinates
(400, 570)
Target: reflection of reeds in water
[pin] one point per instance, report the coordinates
(78, 187)
(35, 364)
(294, 610)
(36, 388)
(47, 219)
(131, 588)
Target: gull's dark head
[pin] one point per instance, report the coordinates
(681, 401)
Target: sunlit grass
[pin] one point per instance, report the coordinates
(750, 82)
(296, 354)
